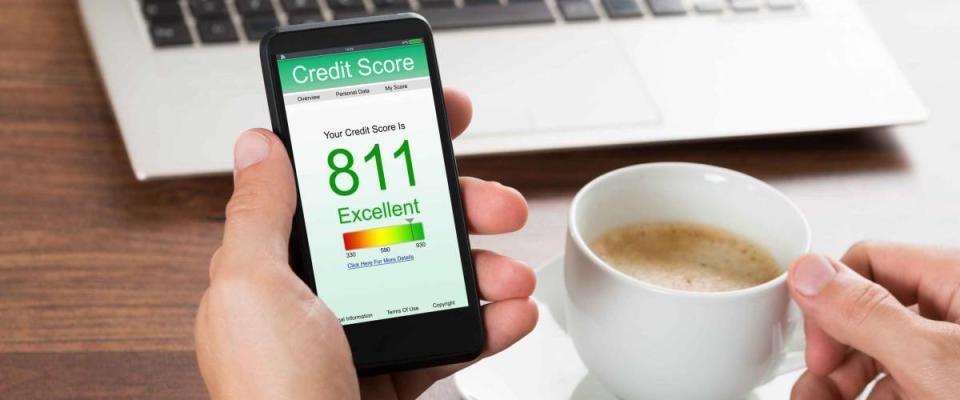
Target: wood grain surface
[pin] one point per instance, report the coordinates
(100, 274)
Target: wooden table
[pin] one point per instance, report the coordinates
(100, 274)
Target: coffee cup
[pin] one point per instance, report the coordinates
(643, 341)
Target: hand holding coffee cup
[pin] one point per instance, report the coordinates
(857, 324)
(683, 295)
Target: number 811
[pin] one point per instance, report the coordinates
(374, 155)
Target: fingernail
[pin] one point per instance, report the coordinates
(812, 273)
(250, 149)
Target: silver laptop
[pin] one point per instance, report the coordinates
(184, 76)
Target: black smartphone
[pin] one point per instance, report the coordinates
(379, 233)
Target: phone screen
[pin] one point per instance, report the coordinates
(373, 183)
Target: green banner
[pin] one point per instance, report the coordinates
(352, 68)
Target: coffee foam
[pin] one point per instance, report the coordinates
(686, 256)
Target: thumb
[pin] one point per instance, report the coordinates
(260, 212)
(854, 310)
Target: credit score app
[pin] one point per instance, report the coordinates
(373, 185)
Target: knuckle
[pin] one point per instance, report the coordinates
(864, 249)
(252, 196)
(235, 269)
(227, 299)
(235, 285)
(863, 246)
(933, 346)
(943, 339)
(217, 260)
(225, 288)
(864, 304)
(226, 260)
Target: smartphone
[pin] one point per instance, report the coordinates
(379, 232)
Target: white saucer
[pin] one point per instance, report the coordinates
(545, 364)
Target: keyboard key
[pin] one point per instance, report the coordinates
(341, 5)
(577, 10)
(469, 3)
(745, 5)
(666, 7)
(436, 3)
(170, 33)
(709, 6)
(349, 14)
(622, 8)
(217, 30)
(488, 15)
(257, 26)
(208, 8)
(304, 18)
(301, 6)
(391, 5)
(154, 10)
(782, 4)
(250, 7)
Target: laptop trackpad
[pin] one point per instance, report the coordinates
(545, 80)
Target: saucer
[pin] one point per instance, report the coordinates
(545, 364)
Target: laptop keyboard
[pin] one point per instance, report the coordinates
(184, 22)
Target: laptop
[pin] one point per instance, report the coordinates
(184, 79)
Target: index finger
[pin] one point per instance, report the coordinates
(924, 275)
(459, 110)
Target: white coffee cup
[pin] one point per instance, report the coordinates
(644, 341)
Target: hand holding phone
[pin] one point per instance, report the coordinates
(379, 232)
(262, 332)
(244, 342)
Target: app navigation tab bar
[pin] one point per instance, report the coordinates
(356, 91)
